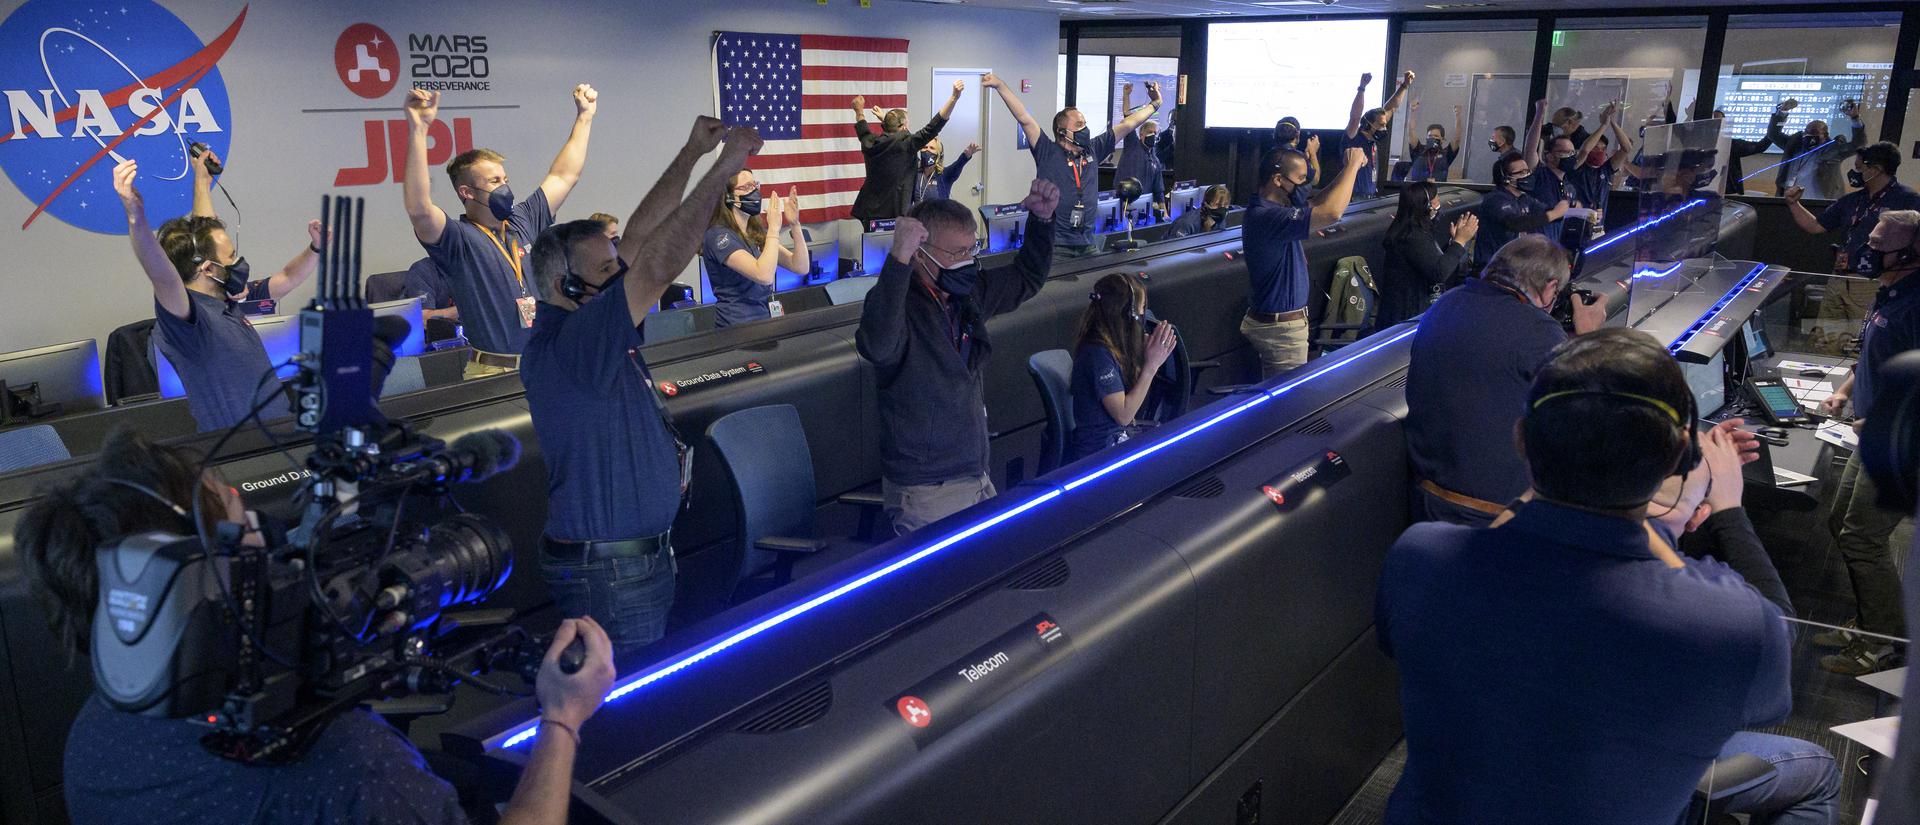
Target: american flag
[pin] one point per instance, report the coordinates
(798, 91)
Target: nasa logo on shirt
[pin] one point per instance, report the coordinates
(90, 83)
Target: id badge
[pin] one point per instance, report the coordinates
(1077, 217)
(525, 303)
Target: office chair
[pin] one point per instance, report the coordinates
(129, 373)
(765, 453)
(386, 286)
(31, 446)
(406, 376)
(1052, 372)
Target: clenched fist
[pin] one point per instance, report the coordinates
(1042, 199)
(908, 235)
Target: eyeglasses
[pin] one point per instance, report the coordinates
(972, 250)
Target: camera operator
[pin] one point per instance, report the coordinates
(1862, 529)
(615, 469)
(1577, 603)
(121, 766)
(198, 275)
(1473, 358)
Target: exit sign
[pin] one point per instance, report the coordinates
(1559, 39)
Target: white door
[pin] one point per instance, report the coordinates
(966, 126)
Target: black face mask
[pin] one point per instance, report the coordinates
(957, 281)
(1218, 215)
(1868, 262)
(748, 203)
(1855, 179)
(1569, 164)
(1082, 137)
(926, 160)
(1287, 135)
(235, 283)
(1150, 139)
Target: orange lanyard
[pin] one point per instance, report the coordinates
(1075, 166)
(512, 261)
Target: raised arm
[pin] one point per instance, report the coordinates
(1005, 288)
(1313, 159)
(203, 184)
(669, 189)
(1776, 131)
(1132, 121)
(1593, 137)
(565, 171)
(1028, 125)
(416, 187)
(664, 252)
(1859, 132)
(946, 112)
(168, 290)
(1412, 121)
(861, 130)
(1531, 148)
(1399, 91)
(1801, 217)
(1330, 204)
(882, 336)
(296, 272)
(1359, 108)
(799, 258)
(1459, 128)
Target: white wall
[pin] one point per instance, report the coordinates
(648, 58)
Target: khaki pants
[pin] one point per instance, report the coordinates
(475, 369)
(1281, 346)
(913, 506)
(1842, 310)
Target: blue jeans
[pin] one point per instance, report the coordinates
(1805, 791)
(629, 595)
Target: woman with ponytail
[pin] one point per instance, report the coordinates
(1114, 361)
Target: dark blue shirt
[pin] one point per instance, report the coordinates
(121, 767)
(738, 299)
(1432, 165)
(484, 284)
(1472, 363)
(1856, 212)
(928, 187)
(1363, 182)
(1096, 375)
(612, 469)
(1505, 216)
(1273, 236)
(220, 361)
(1555, 670)
(1079, 182)
(1549, 189)
(1892, 327)
(1140, 162)
(1190, 222)
(424, 281)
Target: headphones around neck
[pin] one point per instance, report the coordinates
(151, 493)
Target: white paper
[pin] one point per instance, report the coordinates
(1866, 814)
(1802, 366)
(1789, 478)
(1578, 213)
(1803, 383)
(1839, 435)
(1891, 682)
(1878, 734)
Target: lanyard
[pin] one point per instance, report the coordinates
(1871, 207)
(1075, 166)
(512, 261)
(960, 339)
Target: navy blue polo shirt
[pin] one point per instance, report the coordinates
(220, 361)
(424, 281)
(1363, 183)
(738, 299)
(484, 285)
(1553, 669)
(1189, 223)
(1549, 189)
(1856, 212)
(1142, 163)
(612, 470)
(1273, 236)
(1432, 165)
(1472, 363)
(1096, 375)
(1050, 162)
(1498, 207)
(1892, 327)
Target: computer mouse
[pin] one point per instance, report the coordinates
(1813, 372)
(1776, 432)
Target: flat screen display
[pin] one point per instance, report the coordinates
(1258, 72)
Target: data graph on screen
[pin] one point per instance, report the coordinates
(1257, 72)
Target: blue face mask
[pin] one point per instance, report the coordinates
(748, 203)
(500, 202)
(236, 281)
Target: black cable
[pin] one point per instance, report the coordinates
(199, 521)
(462, 676)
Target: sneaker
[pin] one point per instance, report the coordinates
(1837, 638)
(1860, 659)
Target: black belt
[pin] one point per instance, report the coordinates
(586, 551)
(1277, 317)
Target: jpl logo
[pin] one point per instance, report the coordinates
(89, 84)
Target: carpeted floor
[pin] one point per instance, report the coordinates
(1816, 579)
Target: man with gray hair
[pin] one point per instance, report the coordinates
(1862, 529)
(923, 327)
(1474, 356)
(615, 467)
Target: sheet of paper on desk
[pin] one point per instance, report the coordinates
(1804, 383)
(1789, 478)
(1839, 435)
(1802, 366)
(1892, 682)
(1878, 734)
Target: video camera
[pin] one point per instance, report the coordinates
(263, 642)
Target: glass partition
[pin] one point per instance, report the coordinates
(1471, 82)
(1649, 64)
(1819, 62)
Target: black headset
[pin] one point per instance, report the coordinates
(153, 494)
(575, 287)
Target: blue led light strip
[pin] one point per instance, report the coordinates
(1791, 159)
(527, 731)
(1701, 322)
(1654, 221)
(1648, 273)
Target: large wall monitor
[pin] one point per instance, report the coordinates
(1257, 72)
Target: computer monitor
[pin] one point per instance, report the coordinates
(1758, 346)
(874, 247)
(1106, 213)
(1708, 382)
(65, 374)
(1142, 211)
(1005, 223)
(824, 257)
(1183, 197)
(280, 334)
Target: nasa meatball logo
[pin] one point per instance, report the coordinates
(367, 60)
(90, 84)
(914, 711)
